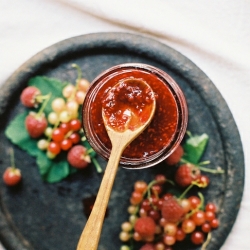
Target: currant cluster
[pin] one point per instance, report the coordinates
(159, 220)
(60, 130)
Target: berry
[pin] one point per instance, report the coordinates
(28, 96)
(75, 124)
(154, 214)
(80, 96)
(203, 180)
(175, 157)
(78, 157)
(42, 144)
(136, 198)
(54, 148)
(171, 210)
(57, 135)
(75, 138)
(124, 236)
(209, 215)
(126, 226)
(211, 207)
(58, 105)
(170, 228)
(68, 90)
(186, 173)
(66, 144)
(206, 228)
(65, 116)
(194, 201)
(35, 124)
(53, 118)
(147, 246)
(188, 226)
(12, 176)
(197, 237)
(156, 189)
(140, 186)
(65, 127)
(72, 107)
(180, 235)
(198, 218)
(146, 205)
(169, 240)
(145, 226)
(83, 84)
(125, 247)
(186, 205)
(160, 178)
(214, 223)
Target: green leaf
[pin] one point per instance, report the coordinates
(194, 148)
(53, 170)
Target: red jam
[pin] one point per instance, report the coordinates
(128, 104)
(165, 131)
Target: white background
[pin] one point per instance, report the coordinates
(213, 34)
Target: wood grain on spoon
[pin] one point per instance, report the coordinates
(124, 120)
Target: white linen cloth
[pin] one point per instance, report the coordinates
(213, 34)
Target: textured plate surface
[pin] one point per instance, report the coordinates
(44, 216)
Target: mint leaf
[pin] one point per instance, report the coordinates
(194, 148)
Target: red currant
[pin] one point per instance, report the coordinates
(75, 138)
(136, 198)
(154, 214)
(197, 237)
(54, 147)
(160, 178)
(214, 223)
(169, 240)
(194, 201)
(66, 144)
(206, 228)
(209, 215)
(188, 226)
(65, 127)
(75, 125)
(156, 189)
(140, 186)
(198, 218)
(211, 207)
(170, 229)
(180, 235)
(186, 205)
(146, 205)
(57, 135)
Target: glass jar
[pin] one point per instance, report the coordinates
(165, 131)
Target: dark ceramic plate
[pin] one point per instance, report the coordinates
(45, 216)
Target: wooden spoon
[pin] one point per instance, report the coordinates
(120, 139)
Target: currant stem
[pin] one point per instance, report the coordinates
(79, 73)
(97, 165)
(205, 244)
(46, 100)
(213, 171)
(185, 191)
(12, 158)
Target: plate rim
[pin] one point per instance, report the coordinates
(144, 45)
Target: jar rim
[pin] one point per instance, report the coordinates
(182, 111)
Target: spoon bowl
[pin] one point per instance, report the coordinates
(122, 130)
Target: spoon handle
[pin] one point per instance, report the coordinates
(91, 233)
